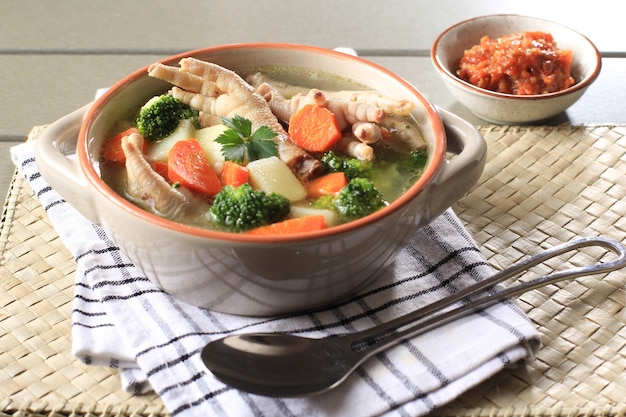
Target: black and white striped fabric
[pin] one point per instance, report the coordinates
(121, 320)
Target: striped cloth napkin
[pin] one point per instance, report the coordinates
(121, 320)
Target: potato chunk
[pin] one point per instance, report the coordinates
(273, 175)
(213, 150)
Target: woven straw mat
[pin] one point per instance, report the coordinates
(542, 186)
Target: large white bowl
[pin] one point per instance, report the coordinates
(250, 275)
(502, 108)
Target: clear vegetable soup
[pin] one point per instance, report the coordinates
(282, 151)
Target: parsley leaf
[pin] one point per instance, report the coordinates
(240, 144)
(233, 147)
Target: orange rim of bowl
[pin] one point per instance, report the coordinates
(584, 83)
(436, 156)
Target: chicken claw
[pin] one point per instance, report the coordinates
(219, 92)
(347, 112)
(388, 104)
(149, 189)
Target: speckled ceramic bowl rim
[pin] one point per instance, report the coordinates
(436, 158)
(584, 83)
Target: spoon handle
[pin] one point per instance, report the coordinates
(380, 337)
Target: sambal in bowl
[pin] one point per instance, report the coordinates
(511, 69)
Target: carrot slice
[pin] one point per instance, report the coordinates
(314, 128)
(161, 169)
(234, 174)
(290, 226)
(326, 184)
(188, 166)
(112, 149)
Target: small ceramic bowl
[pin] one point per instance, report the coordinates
(501, 108)
(258, 275)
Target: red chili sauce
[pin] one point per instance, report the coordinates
(522, 64)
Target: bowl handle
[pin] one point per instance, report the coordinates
(460, 172)
(55, 152)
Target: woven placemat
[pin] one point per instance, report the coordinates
(542, 186)
(38, 374)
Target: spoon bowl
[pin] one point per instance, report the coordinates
(319, 363)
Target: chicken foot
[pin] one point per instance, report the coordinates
(219, 92)
(346, 112)
(388, 104)
(149, 189)
(359, 118)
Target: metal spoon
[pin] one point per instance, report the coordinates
(284, 365)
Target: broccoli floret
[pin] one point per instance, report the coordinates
(352, 167)
(160, 116)
(414, 163)
(325, 202)
(357, 199)
(332, 162)
(243, 208)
